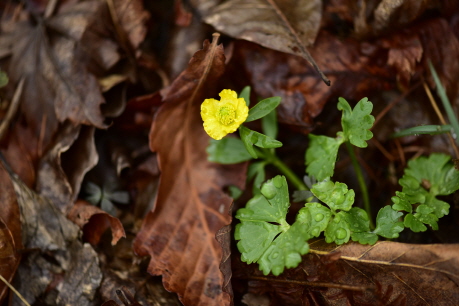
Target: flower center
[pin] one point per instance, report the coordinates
(226, 114)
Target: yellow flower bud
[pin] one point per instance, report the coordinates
(224, 116)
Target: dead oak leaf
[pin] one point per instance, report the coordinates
(191, 207)
(283, 25)
(51, 55)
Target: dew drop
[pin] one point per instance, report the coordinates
(277, 181)
(337, 219)
(319, 217)
(315, 231)
(275, 255)
(268, 190)
(341, 233)
(356, 225)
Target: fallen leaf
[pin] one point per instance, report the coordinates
(94, 222)
(61, 170)
(48, 54)
(57, 250)
(191, 208)
(283, 25)
(377, 17)
(387, 273)
(10, 231)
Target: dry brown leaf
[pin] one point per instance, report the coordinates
(191, 207)
(53, 57)
(387, 273)
(375, 17)
(129, 18)
(62, 168)
(10, 231)
(46, 230)
(94, 222)
(282, 25)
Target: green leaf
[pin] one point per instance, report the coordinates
(269, 124)
(254, 239)
(358, 220)
(338, 229)
(285, 251)
(270, 206)
(401, 202)
(3, 78)
(228, 150)
(414, 224)
(315, 218)
(424, 129)
(356, 123)
(335, 195)
(365, 238)
(321, 156)
(245, 93)
(265, 236)
(263, 108)
(251, 138)
(234, 192)
(437, 171)
(256, 171)
(387, 223)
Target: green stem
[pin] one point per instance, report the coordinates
(361, 180)
(271, 158)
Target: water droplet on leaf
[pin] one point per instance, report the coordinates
(277, 181)
(319, 217)
(341, 233)
(275, 255)
(269, 191)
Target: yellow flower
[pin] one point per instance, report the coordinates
(224, 116)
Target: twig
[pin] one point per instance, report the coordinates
(14, 290)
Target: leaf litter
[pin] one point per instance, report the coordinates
(80, 62)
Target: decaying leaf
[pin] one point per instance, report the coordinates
(53, 56)
(94, 222)
(59, 175)
(46, 230)
(386, 273)
(10, 231)
(191, 207)
(376, 17)
(282, 25)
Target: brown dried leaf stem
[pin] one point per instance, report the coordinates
(305, 51)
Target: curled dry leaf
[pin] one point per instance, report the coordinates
(52, 56)
(191, 207)
(10, 231)
(94, 222)
(282, 25)
(387, 273)
(61, 170)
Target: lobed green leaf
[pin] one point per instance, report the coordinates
(338, 230)
(357, 122)
(335, 195)
(387, 223)
(321, 156)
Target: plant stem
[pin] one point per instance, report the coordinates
(279, 164)
(361, 180)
